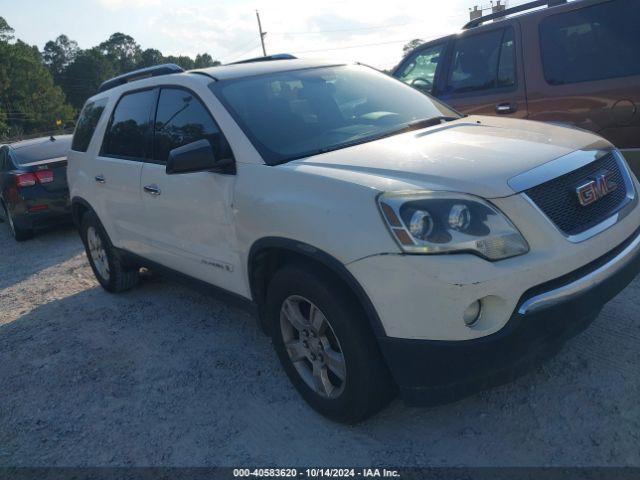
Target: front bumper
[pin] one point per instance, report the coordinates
(432, 372)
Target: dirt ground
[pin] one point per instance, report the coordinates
(165, 375)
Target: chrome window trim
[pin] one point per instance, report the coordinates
(571, 162)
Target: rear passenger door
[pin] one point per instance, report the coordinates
(484, 75)
(584, 69)
(118, 168)
(188, 219)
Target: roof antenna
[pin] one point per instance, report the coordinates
(52, 138)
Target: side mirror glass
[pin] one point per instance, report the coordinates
(197, 157)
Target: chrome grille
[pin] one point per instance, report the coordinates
(558, 200)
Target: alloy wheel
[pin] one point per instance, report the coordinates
(313, 347)
(98, 253)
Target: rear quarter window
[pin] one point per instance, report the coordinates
(592, 43)
(87, 123)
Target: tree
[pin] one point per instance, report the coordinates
(183, 61)
(150, 57)
(205, 60)
(58, 54)
(6, 32)
(85, 74)
(416, 42)
(123, 51)
(30, 101)
(36, 86)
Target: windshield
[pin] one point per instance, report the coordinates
(295, 114)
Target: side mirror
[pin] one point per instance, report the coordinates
(197, 157)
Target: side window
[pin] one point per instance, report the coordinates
(483, 61)
(591, 43)
(130, 126)
(181, 119)
(87, 123)
(3, 160)
(420, 69)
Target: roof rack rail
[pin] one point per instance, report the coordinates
(268, 58)
(510, 11)
(156, 71)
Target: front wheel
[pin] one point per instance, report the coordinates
(107, 266)
(326, 346)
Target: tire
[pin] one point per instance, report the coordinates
(367, 386)
(19, 234)
(105, 262)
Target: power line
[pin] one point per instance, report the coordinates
(376, 27)
(244, 45)
(238, 57)
(354, 46)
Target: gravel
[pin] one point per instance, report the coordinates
(166, 375)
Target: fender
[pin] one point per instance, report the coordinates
(75, 201)
(331, 263)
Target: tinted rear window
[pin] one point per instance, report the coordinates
(86, 125)
(130, 126)
(41, 149)
(592, 43)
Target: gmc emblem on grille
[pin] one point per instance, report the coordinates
(593, 190)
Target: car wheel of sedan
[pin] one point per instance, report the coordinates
(19, 234)
(105, 262)
(326, 346)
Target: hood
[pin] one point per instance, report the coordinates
(476, 155)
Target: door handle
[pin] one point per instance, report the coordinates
(503, 108)
(152, 190)
(100, 179)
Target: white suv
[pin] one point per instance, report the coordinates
(386, 242)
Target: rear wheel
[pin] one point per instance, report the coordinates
(326, 346)
(19, 234)
(107, 266)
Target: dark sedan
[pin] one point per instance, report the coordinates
(33, 185)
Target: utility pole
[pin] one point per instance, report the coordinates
(262, 34)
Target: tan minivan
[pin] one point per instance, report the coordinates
(575, 63)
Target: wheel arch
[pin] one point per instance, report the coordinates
(79, 206)
(268, 254)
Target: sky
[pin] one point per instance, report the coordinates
(371, 32)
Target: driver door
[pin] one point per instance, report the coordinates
(422, 67)
(188, 217)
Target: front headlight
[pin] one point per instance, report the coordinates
(444, 222)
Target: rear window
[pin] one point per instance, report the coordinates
(86, 125)
(130, 126)
(31, 151)
(592, 43)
